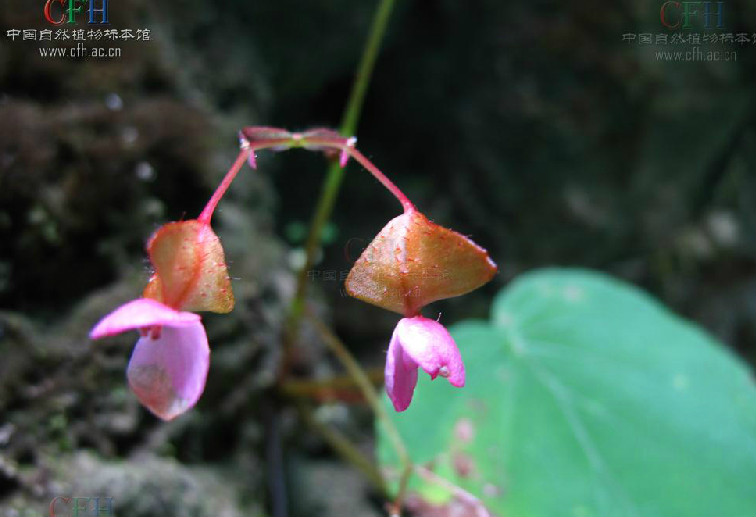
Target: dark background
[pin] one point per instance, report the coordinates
(533, 128)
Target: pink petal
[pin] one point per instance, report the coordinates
(400, 375)
(431, 346)
(141, 313)
(168, 373)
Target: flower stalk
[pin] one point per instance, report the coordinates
(347, 127)
(244, 154)
(337, 347)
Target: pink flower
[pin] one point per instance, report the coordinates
(422, 342)
(411, 263)
(169, 365)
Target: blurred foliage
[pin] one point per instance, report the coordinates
(585, 397)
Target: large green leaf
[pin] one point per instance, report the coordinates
(586, 397)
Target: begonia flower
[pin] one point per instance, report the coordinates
(168, 367)
(410, 263)
(425, 343)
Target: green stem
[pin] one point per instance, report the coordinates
(365, 70)
(348, 126)
(323, 389)
(460, 493)
(362, 381)
(344, 447)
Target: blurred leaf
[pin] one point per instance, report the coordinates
(585, 397)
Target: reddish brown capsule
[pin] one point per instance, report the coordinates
(413, 262)
(190, 268)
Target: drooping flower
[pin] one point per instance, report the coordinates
(410, 263)
(168, 367)
(425, 343)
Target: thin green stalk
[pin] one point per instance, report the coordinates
(460, 493)
(365, 70)
(348, 126)
(322, 389)
(362, 381)
(344, 447)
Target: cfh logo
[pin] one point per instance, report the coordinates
(59, 12)
(679, 15)
(81, 507)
